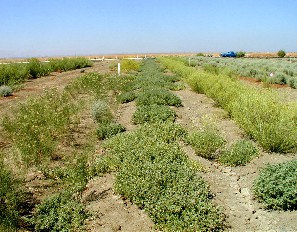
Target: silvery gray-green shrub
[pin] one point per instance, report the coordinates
(5, 91)
(101, 112)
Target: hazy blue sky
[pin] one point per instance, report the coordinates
(83, 27)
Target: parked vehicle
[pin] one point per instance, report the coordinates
(228, 54)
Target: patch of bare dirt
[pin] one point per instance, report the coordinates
(110, 211)
(124, 115)
(259, 83)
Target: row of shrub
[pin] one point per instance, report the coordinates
(276, 185)
(155, 174)
(12, 74)
(273, 71)
(209, 144)
(260, 112)
(35, 129)
(153, 171)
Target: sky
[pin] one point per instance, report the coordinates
(33, 28)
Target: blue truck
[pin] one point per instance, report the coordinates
(228, 54)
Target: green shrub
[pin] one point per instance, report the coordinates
(155, 174)
(153, 113)
(88, 83)
(240, 54)
(59, 212)
(281, 53)
(38, 123)
(11, 74)
(293, 83)
(10, 195)
(240, 153)
(129, 65)
(276, 186)
(113, 66)
(158, 97)
(101, 112)
(67, 64)
(260, 112)
(5, 91)
(108, 130)
(37, 69)
(206, 143)
(126, 97)
(200, 54)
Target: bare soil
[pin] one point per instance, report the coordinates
(230, 186)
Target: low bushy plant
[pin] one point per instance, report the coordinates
(88, 83)
(37, 69)
(281, 53)
(126, 97)
(240, 153)
(10, 195)
(101, 112)
(58, 213)
(240, 54)
(153, 113)
(106, 131)
(158, 97)
(37, 125)
(129, 65)
(155, 174)
(113, 66)
(5, 91)
(293, 83)
(206, 143)
(11, 74)
(67, 64)
(260, 112)
(276, 186)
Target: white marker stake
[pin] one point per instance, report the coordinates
(119, 69)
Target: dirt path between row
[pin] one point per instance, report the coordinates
(232, 186)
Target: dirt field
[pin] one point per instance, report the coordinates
(231, 186)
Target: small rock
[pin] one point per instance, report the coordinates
(245, 191)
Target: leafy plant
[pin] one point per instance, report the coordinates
(153, 113)
(240, 153)
(281, 53)
(101, 112)
(59, 212)
(126, 97)
(37, 69)
(37, 124)
(206, 143)
(260, 112)
(10, 197)
(293, 83)
(108, 130)
(240, 54)
(276, 186)
(159, 97)
(5, 91)
(156, 175)
(129, 65)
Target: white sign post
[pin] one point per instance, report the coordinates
(119, 69)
